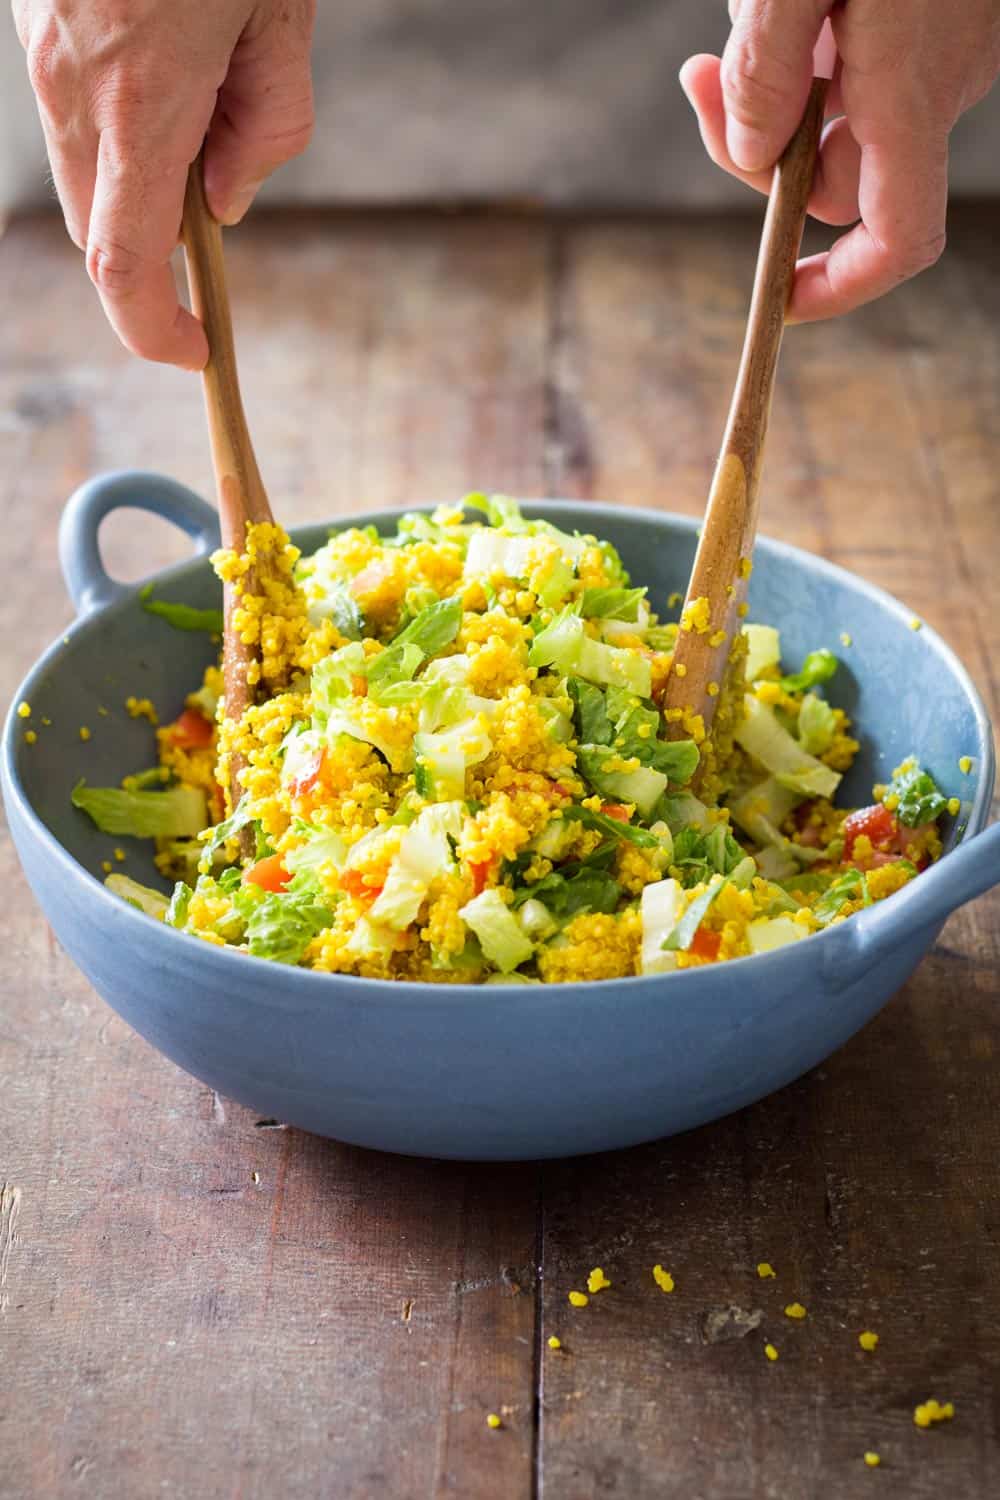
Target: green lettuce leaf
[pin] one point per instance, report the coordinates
(179, 812)
(612, 828)
(611, 603)
(680, 938)
(920, 801)
(434, 627)
(817, 725)
(182, 616)
(566, 896)
(282, 926)
(819, 666)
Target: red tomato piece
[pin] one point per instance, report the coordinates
(480, 874)
(615, 810)
(370, 578)
(309, 776)
(706, 944)
(876, 823)
(269, 873)
(192, 731)
(359, 685)
(353, 882)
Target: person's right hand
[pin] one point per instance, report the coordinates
(128, 91)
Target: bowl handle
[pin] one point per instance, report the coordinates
(968, 871)
(90, 586)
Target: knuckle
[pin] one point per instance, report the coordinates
(113, 269)
(750, 83)
(910, 257)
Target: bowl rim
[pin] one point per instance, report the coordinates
(867, 925)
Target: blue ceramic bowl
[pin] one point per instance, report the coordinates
(466, 1071)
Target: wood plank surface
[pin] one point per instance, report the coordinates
(196, 1302)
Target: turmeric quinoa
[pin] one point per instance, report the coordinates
(456, 768)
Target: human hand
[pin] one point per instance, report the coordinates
(908, 69)
(128, 90)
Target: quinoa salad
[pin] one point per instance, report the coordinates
(456, 767)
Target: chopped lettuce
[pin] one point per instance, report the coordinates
(228, 828)
(847, 887)
(642, 786)
(177, 909)
(768, 933)
(681, 935)
(282, 926)
(435, 627)
(763, 650)
(699, 856)
(566, 896)
(500, 935)
(661, 904)
(762, 737)
(819, 666)
(817, 725)
(178, 812)
(920, 801)
(613, 828)
(611, 603)
(565, 645)
(182, 616)
(152, 903)
(393, 667)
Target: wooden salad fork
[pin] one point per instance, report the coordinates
(718, 583)
(242, 499)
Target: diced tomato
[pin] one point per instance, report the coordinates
(307, 779)
(359, 685)
(192, 731)
(269, 873)
(353, 882)
(370, 578)
(560, 790)
(615, 810)
(706, 944)
(480, 874)
(875, 823)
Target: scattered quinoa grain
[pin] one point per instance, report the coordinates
(846, 639)
(712, 690)
(578, 1299)
(30, 736)
(765, 1270)
(954, 806)
(24, 710)
(106, 866)
(554, 1342)
(868, 1341)
(771, 1352)
(119, 855)
(933, 1411)
(673, 600)
(663, 1279)
(141, 708)
(597, 1281)
(46, 722)
(743, 610)
(680, 669)
(795, 1310)
(964, 765)
(916, 624)
(84, 733)
(872, 1460)
(493, 1420)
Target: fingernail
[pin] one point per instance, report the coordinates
(240, 202)
(749, 148)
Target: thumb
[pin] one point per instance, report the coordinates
(766, 73)
(264, 113)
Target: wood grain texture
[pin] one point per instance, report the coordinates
(725, 547)
(201, 1303)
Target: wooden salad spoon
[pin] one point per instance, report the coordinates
(718, 584)
(242, 498)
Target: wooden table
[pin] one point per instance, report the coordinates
(196, 1302)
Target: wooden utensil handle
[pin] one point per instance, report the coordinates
(241, 493)
(721, 563)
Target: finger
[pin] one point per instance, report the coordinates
(766, 73)
(73, 160)
(134, 229)
(902, 198)
(264, 114)
(834, 198)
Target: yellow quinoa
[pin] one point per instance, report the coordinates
(663, 1279)
(765, 1270)
(872, 1460)
(846, 639)
(84, 732)
(141, 708)
(30, 737)
(965, 764)
(771, 1352)
(554, 1342)
(24, 710)
(932, 1411)
(868, 1341)
(578, 1299)
(597, 1281)
(493, 1420)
